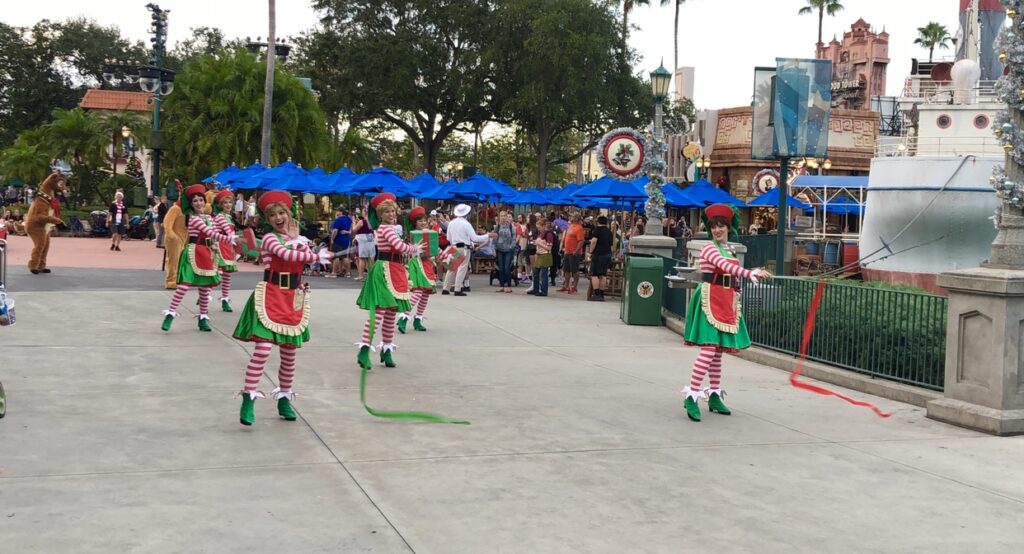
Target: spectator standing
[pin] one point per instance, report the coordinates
(365, 247)
(505, 245)
(239, 209)
(572, 254)
(117, 218)
(161, 211)
(600, 254)
(543, 241)
(461, 234)
(341, 240)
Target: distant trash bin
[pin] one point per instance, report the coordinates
(642, 289)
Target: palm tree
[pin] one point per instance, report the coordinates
(932, 35)
(675, 60)
(28, 158)
(831, 7)
(268, 85)
(627, 6)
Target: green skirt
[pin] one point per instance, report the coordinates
(186, 276)
(417, 276)
(700, 332)
(375, 293)
(250, 329)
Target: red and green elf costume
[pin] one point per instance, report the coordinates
(422, 276)
(226, 225)
(277, 313)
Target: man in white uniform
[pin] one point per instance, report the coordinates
(461, 235)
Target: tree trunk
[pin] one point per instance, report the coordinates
(821, 19)
(268, 86)
(675, 61)
(931, 51)
(543, 144)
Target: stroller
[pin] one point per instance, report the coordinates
(98, 220)
(139, 225)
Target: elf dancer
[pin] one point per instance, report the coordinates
(422, 275)
(386, 289)
(278, 310)
(223, 204)
(714, 321)
(197, 266)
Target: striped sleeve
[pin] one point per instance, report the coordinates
(386, 234)
(711, 255)
(198, 226)
(301, 253)
(221, 224)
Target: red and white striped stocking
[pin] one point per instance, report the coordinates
(367, 339)
(287, 372)
(179, 295)
(715, 371)
(225, 284)
(700, 368)
(254, 371)
(204, 301)
(421, 304)
(387, 328)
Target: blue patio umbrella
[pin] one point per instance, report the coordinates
(531, 197)
(440, 192)
(240, 176)
(422, 183)
(223, 175)
(611, 189)
(706, 193)
(337, 182)
(842, 206)
(677, 197)
(380, 179)
(262, 180)
(296, 182)
(317, 173)
(770, 199)
(482, 188)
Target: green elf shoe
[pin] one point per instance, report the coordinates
(204, 324)
(246, 415)
(225, 305)
(386, 357)
(715, 403)
(402, 322)
(168, 320)
(284, 404)
(364, 358)
(418, 324)
(692, 409)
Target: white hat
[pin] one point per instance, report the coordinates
(462, 210)
(433, 212)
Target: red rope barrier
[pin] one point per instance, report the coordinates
(794, 378)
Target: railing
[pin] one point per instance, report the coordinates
(893, 334)
(937, 146)
(934, 92)
(760, 250)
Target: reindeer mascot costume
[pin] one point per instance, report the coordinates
(40, 220)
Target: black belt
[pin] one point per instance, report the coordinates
(391, 257)
(462, 245)
(197, 240)
(721, 279)
(283, 280)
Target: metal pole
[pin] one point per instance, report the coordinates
(155, 183)
(268, 86)
(782, 222)
(655, 213)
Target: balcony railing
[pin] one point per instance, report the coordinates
(945, 93)
(887, 147)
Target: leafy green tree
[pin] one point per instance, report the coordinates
(214, 117)
(627, 7)
(675, 33)
(931, 36)
(559, 71)
(204, 41)
(416, 64)
(831, 7)
(28, 158)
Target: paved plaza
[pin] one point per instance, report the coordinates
(122, 438)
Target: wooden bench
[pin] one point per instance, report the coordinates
(483, 265)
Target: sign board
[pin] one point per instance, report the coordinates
(791, 109)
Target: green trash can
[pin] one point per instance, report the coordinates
(140, 197)
(643, 283)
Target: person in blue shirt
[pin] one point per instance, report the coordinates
(341, 239)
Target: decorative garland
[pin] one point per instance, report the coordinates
(1010, 89)
(603, 143)
(655, 167)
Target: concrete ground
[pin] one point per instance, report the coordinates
(122, 438)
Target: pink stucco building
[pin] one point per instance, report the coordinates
(858, 66)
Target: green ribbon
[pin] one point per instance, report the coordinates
(416, 416)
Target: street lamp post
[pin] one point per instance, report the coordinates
(653, 240)
(158, 81)
(281, 50)
(703, 165)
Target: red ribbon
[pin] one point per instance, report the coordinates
(794, 378)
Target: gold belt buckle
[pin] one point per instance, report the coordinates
(727, 281)
(284, 280)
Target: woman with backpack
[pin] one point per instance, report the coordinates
(505, 248)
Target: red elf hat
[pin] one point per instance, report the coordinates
(274, 197)
(417, 213)
(719, 210)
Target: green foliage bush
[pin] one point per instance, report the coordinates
(896, 332)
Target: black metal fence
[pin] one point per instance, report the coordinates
(760, 250)
(894, 334)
